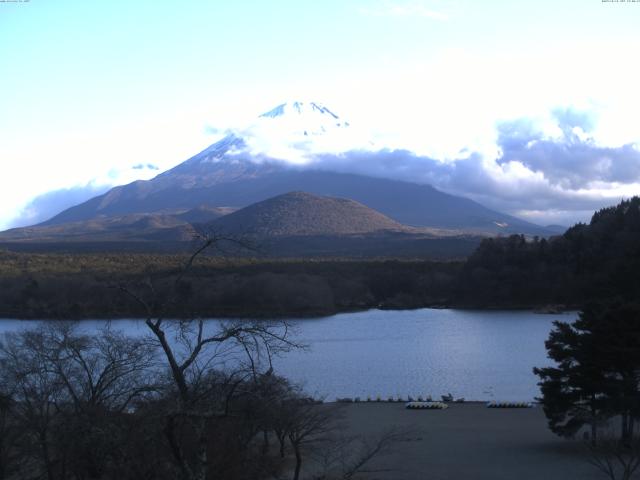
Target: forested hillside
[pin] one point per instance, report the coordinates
(87, 286)
(595, 261)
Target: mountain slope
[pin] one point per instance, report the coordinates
(296, 224)
(404, 202)
(131, 227)
(168, 225)
(300, 213)
(249, 166)
(299, 224)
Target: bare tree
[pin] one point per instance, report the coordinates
(308, 424)
(192, 347)
(10, 434)
(108, 370)
(36, 392)
(346, 457)
(69, 393)
(616, 459)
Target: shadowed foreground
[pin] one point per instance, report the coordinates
(470, 441)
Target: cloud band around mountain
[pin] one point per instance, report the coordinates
(567, 175)
(557, 174)
(47, 205)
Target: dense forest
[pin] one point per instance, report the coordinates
(600, 260)
(89, 286)
(595, 261)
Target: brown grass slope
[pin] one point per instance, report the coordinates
(136, 227)
(296, 224)
(170, 225)
(304, 214)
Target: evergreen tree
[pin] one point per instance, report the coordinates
(598, 370)
(573, 392)
(617, 330)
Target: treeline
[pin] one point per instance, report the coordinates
(88, 286)
(600, 260)
(595, 261)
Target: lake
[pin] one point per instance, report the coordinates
(478, 355)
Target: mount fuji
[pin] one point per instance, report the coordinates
(276, 154)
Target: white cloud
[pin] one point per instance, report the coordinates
(444, 107)
(45, 206)
(99, 157)
(299, 132)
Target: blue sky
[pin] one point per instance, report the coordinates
(89, 90)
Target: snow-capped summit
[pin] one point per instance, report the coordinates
(294, 132)
(300, 108)
(306, 118)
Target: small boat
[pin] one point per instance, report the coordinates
(494, 404)
(426, 406)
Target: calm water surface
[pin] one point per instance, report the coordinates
(479, 355)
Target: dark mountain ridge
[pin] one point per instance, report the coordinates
(231, 173)
(244, 168)
(295, 224)
(242, 182)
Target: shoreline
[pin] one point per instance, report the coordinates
(306, 315)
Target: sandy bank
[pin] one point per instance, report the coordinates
(470, 441)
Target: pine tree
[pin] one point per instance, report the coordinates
(598, 370)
